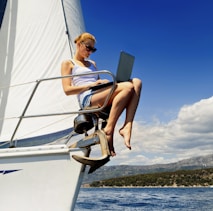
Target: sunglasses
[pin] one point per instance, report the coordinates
(89, 48)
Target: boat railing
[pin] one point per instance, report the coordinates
(81, 111)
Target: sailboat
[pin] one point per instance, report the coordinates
(41, 167)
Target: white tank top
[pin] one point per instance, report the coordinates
(86, 79)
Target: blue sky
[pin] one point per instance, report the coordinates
(172, 41)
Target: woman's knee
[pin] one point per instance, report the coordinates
(137, 81)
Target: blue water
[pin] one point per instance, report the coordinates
(145, 199)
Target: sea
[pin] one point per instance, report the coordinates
(145, 199)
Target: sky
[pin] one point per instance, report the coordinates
(172, 41)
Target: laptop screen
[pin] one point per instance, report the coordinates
(125, 66)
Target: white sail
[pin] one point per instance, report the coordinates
(33, 43)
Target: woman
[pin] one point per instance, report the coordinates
(126, 94)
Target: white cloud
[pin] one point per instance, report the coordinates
(197, 118)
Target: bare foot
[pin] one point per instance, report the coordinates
(126, 134)
(110, 144)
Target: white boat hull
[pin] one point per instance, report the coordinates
(44, 178)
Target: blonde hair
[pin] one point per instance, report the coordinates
(84, 36)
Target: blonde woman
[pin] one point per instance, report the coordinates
(126, 94)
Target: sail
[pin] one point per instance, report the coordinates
(35, 37)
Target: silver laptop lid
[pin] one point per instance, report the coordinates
(125, 66)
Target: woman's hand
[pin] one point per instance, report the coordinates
(99, 84)
(101, 81)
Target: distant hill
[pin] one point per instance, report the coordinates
(107, 172)
(180, 178)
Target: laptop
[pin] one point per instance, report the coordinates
(125, 66)
(124, 70)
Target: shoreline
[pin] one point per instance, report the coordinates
(181, 186)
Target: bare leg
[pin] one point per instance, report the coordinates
(119, 101)
(118, 105)
(126, 130)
